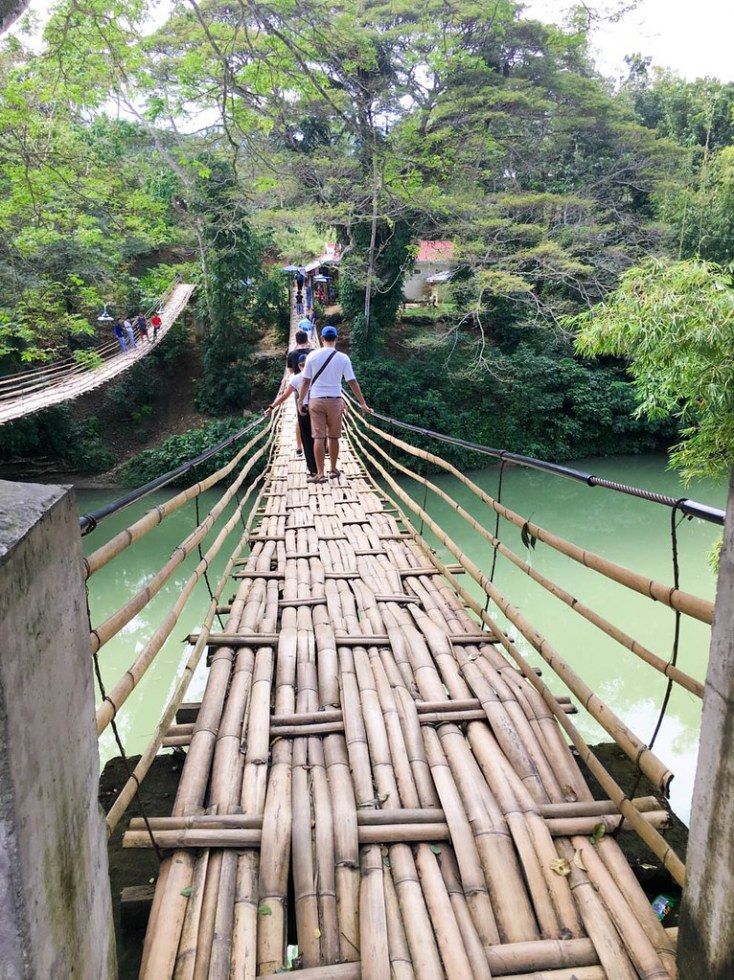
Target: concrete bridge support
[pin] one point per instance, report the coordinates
(706, 940)
(56, 918)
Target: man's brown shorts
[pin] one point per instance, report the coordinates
(326, 417)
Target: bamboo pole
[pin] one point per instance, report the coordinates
(655, 842)
(156, 515)
(163, 935)
(684, 602)
(128, 791)
(633, 747)
(117, 696)
(119, 619)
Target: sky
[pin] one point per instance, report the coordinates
(693, 37)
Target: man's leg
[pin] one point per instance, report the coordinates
(333, 452)
(317, 410)
(299, 441)
(334, 422)
(318, 451)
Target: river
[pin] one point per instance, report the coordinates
(632, 532)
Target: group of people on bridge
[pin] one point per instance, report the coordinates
(315, 378)
(125, 330)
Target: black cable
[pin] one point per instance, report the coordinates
(691, 508)
(206, 570)
(674, 654)
(89, 522)
(676, 631)
(497, 519)
(118, 739)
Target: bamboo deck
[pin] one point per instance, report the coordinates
(369, 778)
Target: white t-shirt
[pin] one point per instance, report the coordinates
(329, 382)
(296, 381)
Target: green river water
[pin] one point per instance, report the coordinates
(632, 532)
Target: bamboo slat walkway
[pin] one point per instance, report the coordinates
(53, 388)
(368, 776)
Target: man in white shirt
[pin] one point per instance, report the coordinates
(322, 388)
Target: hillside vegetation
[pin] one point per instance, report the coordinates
(235, 138)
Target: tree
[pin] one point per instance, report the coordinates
(674, 323)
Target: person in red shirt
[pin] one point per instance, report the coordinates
(155, 322)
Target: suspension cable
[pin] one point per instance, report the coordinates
(691, 508)
(89, 522)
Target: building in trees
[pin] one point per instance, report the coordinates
(434, 264)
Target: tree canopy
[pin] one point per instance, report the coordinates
(233, 136)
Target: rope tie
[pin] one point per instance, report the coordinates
(676, 638)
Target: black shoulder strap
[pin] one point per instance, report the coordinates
(313, 379)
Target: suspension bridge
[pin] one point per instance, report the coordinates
(31, 391)
(377, 782)
(375, 774)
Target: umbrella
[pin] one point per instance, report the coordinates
(290, 268)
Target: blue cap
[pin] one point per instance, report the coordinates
(302, 357)
(329, 333)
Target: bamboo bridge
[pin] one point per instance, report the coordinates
(375, 774)
(31, 391)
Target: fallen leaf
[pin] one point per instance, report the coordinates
(435, 848)
(317, 934)
(579, 861)
(569, 794)
(561, 867)
(264, 910)
(186, 892)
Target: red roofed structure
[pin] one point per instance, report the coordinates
(434, 265)
(435, 252)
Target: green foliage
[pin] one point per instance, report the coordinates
(179, 449)
(55, 435)
(530, 402)
(674, 322)
(88, 359)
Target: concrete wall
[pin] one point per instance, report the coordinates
(415, 287)
(55, 908)
(706, 939)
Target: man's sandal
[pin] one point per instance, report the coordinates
(335, 474)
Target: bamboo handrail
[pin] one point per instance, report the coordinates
(633, 747)
(114, 623)
(243, 821)
(684, 602)
(156, 515)
(657, 844)
(171, 837)
(610, 629)
(142, 768)
(130, 679)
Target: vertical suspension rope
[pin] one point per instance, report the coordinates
(676, 640)
(115, 731)
(676, 632)
(206, 570)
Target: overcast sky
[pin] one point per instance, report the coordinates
(694, 37)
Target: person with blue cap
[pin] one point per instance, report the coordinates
(323, 373)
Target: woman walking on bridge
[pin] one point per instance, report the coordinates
(295, 383)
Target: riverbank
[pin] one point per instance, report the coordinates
(138, 868)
